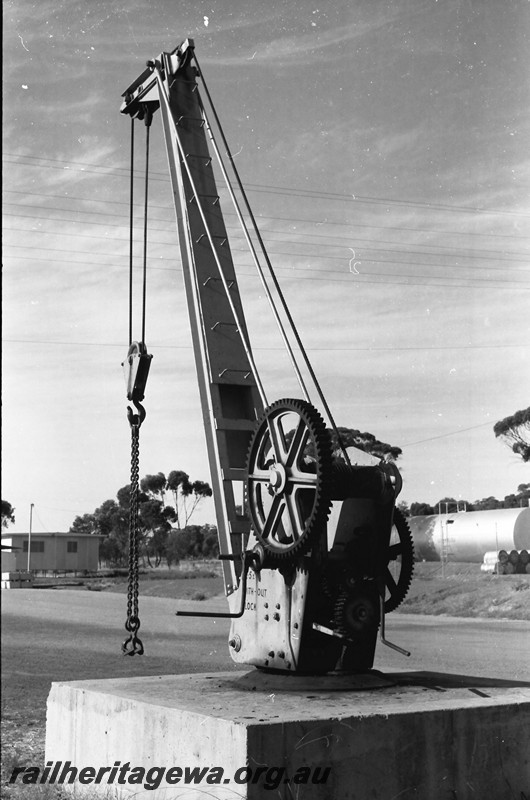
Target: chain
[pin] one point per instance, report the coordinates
(133, 644)
(137, 370)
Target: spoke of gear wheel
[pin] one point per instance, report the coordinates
(400, 553)
(288, 476)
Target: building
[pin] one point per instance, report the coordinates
(54, 552)
(467, 535)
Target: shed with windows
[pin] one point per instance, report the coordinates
(54, 552)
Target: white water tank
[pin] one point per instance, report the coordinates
(467, 535)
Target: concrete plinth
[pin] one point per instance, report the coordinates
(416, 735)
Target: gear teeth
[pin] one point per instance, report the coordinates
(356, 613)
(322, 500)
(407, 562)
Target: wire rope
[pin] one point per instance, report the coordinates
(246, 344)
(252, 249)
(131, 233)
(146, 206)
(271, 271)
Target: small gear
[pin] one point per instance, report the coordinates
(288, 478)
(400, 565)
(357, 611)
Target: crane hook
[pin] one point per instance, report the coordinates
(135, 420)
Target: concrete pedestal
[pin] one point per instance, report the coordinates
(416, 735)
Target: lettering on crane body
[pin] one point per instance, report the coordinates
(258, 592)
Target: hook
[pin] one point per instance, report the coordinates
(133, 644)
(135, 420)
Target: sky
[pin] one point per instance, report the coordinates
(384, 147)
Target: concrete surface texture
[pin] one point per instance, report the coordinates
(416, 735)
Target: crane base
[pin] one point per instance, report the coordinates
(251, 735)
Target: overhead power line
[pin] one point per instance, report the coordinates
(279, 190)
(328, 222)
(395, 261)
(156, 346)
(354, 280)
(444, 435)
(367, 260)
(496, 255)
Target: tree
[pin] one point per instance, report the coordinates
(514, 431)
(404, 508)
(193, 541)
(187, 495)
(486, 504)
(154, 520)
(199, 490)
(156, 546)
(173, 552)
(154, 485)
(154, 524)
(450, 505)
(522, 498)
(351, 437)
(8, 514)
(421, 510)
(178, 482)
(210, 543)
(85, 524)
(111, 552)
(110, 520)
(524, 491)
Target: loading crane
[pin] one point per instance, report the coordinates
(307, 553)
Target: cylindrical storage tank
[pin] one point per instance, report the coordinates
(521, 530)
(467, 535)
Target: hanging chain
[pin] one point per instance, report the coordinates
(137, 369)
(133, 644)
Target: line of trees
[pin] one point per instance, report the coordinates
(448, 505)
(165, 509)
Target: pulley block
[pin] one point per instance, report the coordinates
(136, 369)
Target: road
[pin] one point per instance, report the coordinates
(489, 648)
(54, 635)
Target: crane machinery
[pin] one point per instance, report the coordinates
(315, 553)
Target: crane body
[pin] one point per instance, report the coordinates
(306, 534)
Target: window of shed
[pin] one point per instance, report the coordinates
(36, 547)
(71, 547)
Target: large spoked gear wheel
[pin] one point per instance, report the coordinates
(288, 478)
(400, 563)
